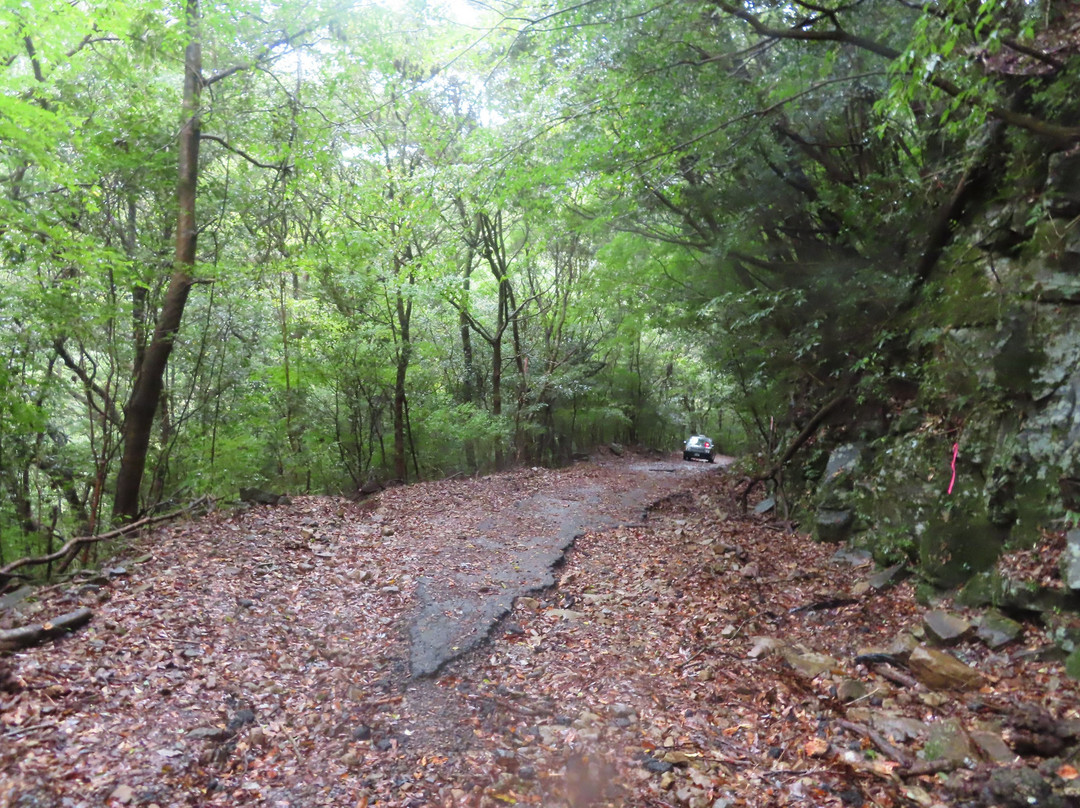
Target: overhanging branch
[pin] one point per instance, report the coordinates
(282, 166)
(1060, 136)
(265, 55)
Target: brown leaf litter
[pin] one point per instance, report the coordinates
(698, 658)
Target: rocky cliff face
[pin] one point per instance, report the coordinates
(986, 453)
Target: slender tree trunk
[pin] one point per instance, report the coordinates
(468, 389)
(521, 441)
(496, 392)
(412, 443)
(292, 432)
(146, 393)
(494, 248)
(404, 314)
(401, 470)
(138, 290)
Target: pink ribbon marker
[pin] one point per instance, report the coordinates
(955, 452)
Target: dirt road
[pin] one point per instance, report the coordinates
(471, 579)
(328, 653)
(243, 657)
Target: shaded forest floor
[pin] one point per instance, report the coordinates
(700, 657)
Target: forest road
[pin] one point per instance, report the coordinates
(294, 654)
(472, 582)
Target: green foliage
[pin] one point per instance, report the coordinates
(444, 430)
(1072, 664)
(650, 220)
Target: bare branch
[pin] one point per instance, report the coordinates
(282, 166)
(265, 55)
(79, 541)
(106, 407)
(32, 53)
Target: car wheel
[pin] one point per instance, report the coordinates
(685, 456)
(712, 459)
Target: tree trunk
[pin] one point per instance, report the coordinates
(404, 315)
(521, 440)
(146, 393)
(491, 232)
(496, 392)
(468, 389)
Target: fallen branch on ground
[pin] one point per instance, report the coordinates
(922, 767)
(886, 748)
(825, 603)
(13, 639)
(74, 544)
(899, 677)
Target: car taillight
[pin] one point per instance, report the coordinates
(708, 445)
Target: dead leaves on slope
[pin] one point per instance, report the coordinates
(260, 659)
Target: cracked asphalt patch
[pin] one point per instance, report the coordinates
(459, 601)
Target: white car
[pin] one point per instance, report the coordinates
(699, 446)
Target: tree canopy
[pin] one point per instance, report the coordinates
(315, 246)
